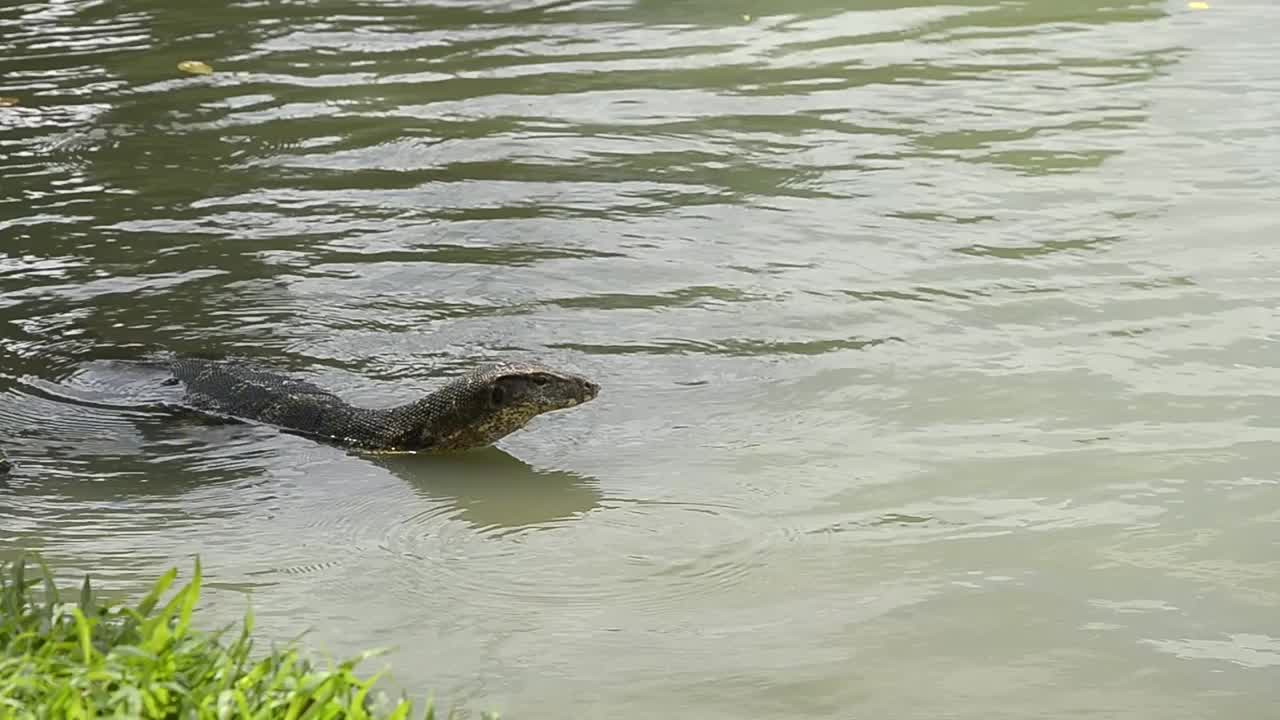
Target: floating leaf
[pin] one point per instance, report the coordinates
(1198, 5)
(195, 67)
(8, 101)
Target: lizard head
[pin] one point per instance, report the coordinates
(487, 404)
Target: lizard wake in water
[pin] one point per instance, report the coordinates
(471, 411)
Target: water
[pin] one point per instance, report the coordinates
(937, 341)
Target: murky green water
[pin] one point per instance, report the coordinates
(938, 342)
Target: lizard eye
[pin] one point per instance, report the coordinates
(497, 395)
(541, 379)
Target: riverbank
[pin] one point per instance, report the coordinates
(72, 655)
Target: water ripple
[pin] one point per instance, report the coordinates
(719, 549)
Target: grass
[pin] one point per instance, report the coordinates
(80, 658)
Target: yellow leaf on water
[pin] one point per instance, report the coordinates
(8, 101)
(746, 18)
(1198, 5)
(195, 67)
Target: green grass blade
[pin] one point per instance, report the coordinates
(84, 633)
(190, 594)
(149, 602)
(86, 598)
(52, 596)
(15, 596)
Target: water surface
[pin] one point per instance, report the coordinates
(937, 341)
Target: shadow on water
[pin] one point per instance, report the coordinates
(492, 489)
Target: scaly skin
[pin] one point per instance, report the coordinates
(471, 411)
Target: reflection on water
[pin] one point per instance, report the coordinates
(490, 489)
